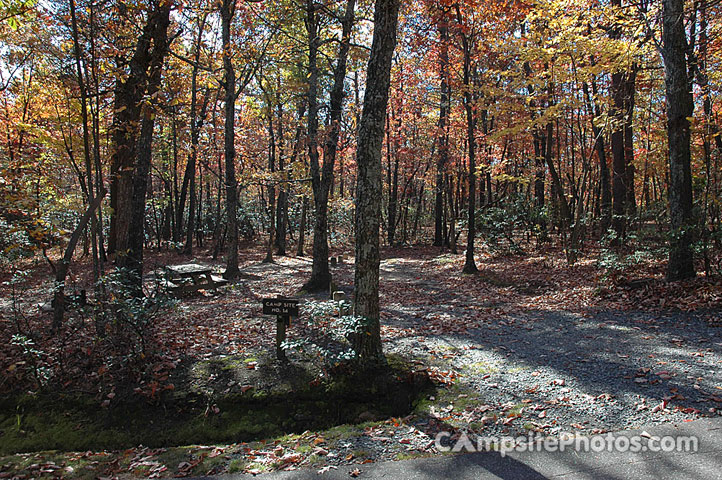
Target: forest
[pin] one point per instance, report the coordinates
(495, 217)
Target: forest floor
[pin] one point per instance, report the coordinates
(528, 345)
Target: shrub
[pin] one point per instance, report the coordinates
(127, 319)
(498, 225)
(331, 333)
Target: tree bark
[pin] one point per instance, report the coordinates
(61, 271)
(271, 185)
(282, 208)
(619, 163)
(196, 122)
(469, 263)
(630, 85)
(679, 110)
(444, 109)
(132, 137)
(302, 228)
(133, 261)
(86, 137)
(322, 178)
(367, 344)
(128, 94)
(604, 183)
(539, 142)
(393, 205)
(320, 274)
(228, 8)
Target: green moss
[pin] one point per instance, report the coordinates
(303, 449)
(447, 348)
(476, 426)
(422, 405)
(481, 368)
(446, 259)
(341, 432)
(360, 453)
(173, 456)
(515, 410)
(237, 465)
(261, 467)
(410, 455)
(279, 406)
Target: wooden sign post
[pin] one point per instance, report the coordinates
(283, 309)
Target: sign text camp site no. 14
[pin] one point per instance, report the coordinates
(280, 306)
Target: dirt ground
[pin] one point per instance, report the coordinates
(528, 345)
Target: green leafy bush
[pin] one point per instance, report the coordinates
(499, 226)
(331, 332)
(618, 262)
(127, 319)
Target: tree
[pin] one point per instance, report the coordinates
(469, 263)
(322, 177)
(86, 136)
(679, 110)
(228, 9)
(188, 187)
(444, 110)
(61, 270)
(131, 158)
(368, 186)
(231, 94)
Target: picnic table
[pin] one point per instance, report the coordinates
(191, 277)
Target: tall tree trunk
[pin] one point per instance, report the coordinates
(271, 185)
(394, 186)
(321, 179)
(619, 163)
(708, 129)
(452, 210)
(604, 183)
(470, 262)
(367, 344)
(679, 110)
(302, 227)
(99, 186)
(417, 212)
(61, 270)
(130, 162)
(539, 141)
(630, 86)
(444, 110)
(301, 109)
(228, 8)
(136, 234)
(168, 210)
(539, 150)
(86, 137)
(557, 187)
(282, 208)
(196, 121)
(320, 274)
(129, 91)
